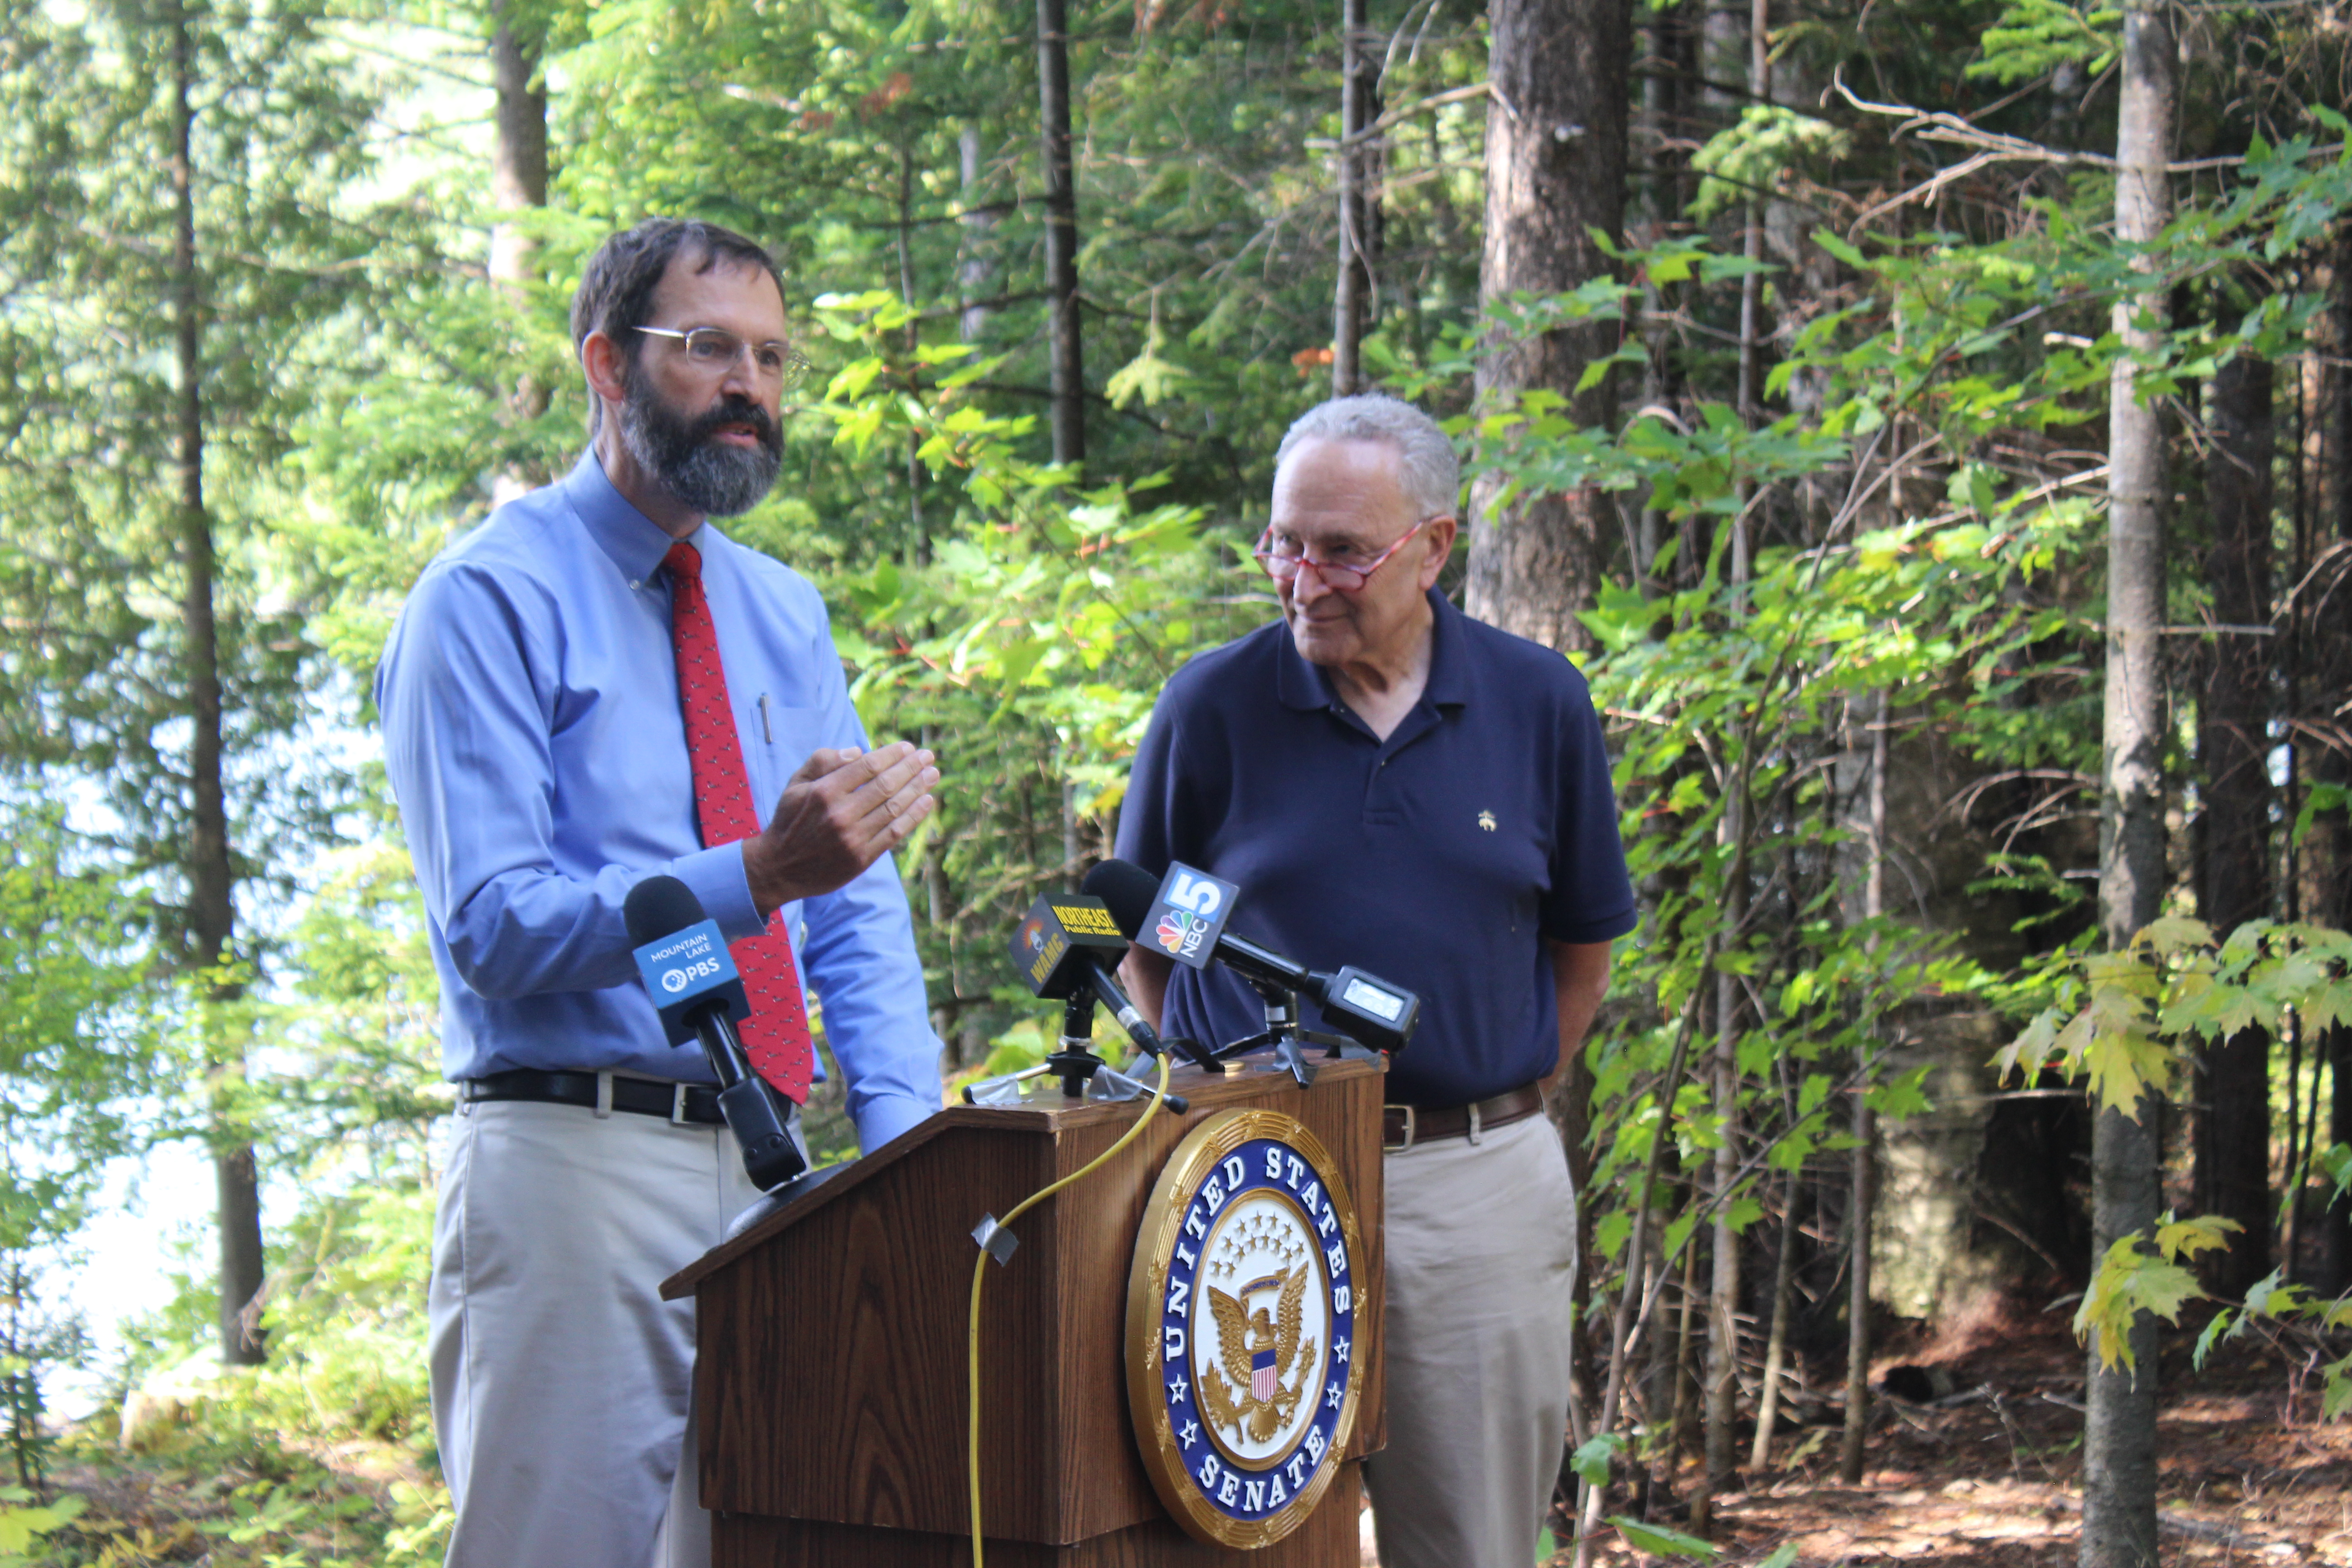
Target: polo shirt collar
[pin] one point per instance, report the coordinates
(1305, 687)
(636, 544)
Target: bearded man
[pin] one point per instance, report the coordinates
(595, 687)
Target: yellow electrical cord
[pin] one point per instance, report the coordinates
(980, 1275)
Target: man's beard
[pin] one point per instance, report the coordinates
(714, 477)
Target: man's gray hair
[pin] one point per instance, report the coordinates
(1426, 464)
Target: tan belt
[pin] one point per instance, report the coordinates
(1403, 1126)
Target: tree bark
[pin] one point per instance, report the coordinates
(212, 906)
(2323, 732)
(1760, 87)
(976, 270)
(2119, 1431)
(2233, 1128)
(517, 182)
(1722, 1246)
(519, 153)
(1357, 110)
(1069, 406)
(1650, 139)
(1558, 71)
(1863, 1189)
(1775, 1344)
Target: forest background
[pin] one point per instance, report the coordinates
(1927, 423)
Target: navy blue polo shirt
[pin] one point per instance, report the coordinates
(1437, 858)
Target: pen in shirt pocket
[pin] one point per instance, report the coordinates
(767, 730)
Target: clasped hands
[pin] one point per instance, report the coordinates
(842, 812)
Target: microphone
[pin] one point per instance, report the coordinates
(1067, 944)
(700, 996)
(1363, 1006)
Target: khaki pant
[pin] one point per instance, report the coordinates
(560, 1378)
(1481, 1244)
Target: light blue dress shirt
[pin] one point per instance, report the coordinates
(533, 737)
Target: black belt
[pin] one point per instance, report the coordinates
(694, 1104)
(1403, 1126)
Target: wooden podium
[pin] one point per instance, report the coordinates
(830, 1388)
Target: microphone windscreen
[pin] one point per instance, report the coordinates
(1126, 890)
(657, 907)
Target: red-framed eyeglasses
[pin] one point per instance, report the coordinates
(1338, 575)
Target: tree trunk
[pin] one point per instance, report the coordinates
(1776, 1345)
(1556, 126)
(1658, 202)
(1723, 1248)
(1723, 1320)
(518, 154)
(211, 908)
(517, 182)
(1069, 381)
(1357, 110)
(2119, 1432)
(2233, 1128)
(2324, 729)
(1687, 1389)
(1760, 87)
(976, 271)
(1864, 1188)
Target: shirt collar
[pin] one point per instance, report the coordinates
(633, 540)
(1305, 686)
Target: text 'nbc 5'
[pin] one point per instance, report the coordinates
(1189, 914)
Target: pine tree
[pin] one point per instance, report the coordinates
(174, 238)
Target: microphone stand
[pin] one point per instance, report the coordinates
(1289, 1040)
(1082, 1072)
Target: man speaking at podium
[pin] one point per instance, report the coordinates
(595, 687)
(1397, 787)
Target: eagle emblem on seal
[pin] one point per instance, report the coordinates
(1252, 1389)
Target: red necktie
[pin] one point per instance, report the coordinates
(776, 1034)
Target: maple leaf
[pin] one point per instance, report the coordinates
(2031, 1049)
(2195, 1001)
(2337, 1399)
(2178, 1238)
(2124, 1064)
(2131, 1280)
(2175, 934)
(2329, 1007)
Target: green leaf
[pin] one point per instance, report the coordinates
(1657, 1541)
(2214, 1332)
(2335, 1397)
(2130, 1281)
(2199, 1232)
(1591, 1460)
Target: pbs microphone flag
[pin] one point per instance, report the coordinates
(686, 971)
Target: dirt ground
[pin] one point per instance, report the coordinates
(1988, 1476)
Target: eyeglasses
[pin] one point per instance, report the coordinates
(716, 351)
(1343, 576)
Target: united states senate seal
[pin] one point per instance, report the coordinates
(1243, 1361)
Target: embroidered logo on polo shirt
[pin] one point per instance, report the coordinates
(1486, 820)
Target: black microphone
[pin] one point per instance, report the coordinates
(1363, 1006)
(692, 981)
(1067, 944)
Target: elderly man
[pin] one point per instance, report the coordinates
(594, 686)
(1397, 787)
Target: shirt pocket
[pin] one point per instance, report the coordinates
(777, 741)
